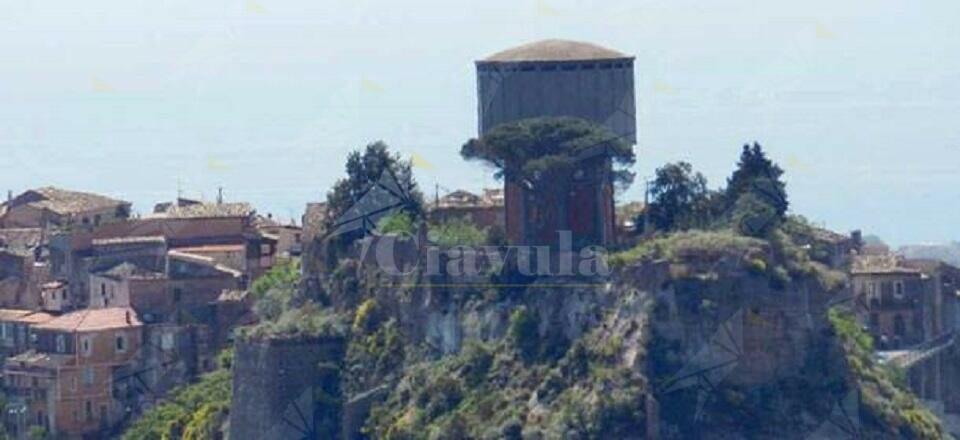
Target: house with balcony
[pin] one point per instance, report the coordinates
(65, 383)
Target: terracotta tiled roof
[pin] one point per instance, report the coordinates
(64, 201)
(93, 319)
(460, 198)
(12, 314)
(209, 210)
(35, 318)
(25, 316)
(555, 50)
(465, 199)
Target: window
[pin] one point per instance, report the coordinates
(96, 220)
(177, 293)
(88, 376)
(103, 289)
(61, 344)
(86, 345)
(898, 289)
(166, 341)
(89, 410)
(73, 383)
(121, 343)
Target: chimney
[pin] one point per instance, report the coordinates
(219, 195)
(129, 321)
(9, 195)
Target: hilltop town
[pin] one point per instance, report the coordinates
(546, 307)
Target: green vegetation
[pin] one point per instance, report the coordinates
(458, 232)
(702, 244)
(486, 391)
(374, 355)
(191, 412)
(307, 320)
(400, 222)
(894, 410)
(758, 176)
(284, 312)
(525, 332)
(680, 198)
(777, 256)
(754, 202)
(545, 153)
(366, 319)
(37, 433)
(365, 169)
(276, 291)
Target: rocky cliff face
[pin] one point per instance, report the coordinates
(718, 315)
(724, 344)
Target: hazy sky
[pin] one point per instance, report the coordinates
(858, 101)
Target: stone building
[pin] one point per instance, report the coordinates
(55, 297)
(15, 329)
(65, 383)
(229, 240)
(289, 236)
(23, 267)
(51, 207)
(560, 78)
(904, 302)
(184, 284)
(485, 211)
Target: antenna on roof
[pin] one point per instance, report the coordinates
(179, 189)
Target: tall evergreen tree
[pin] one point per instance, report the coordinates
(757, 175)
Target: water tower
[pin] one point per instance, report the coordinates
(560, 78)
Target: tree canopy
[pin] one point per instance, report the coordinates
(375, 164)
(679, 197)
(754, 201)
(543, 151)
(758, 175)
